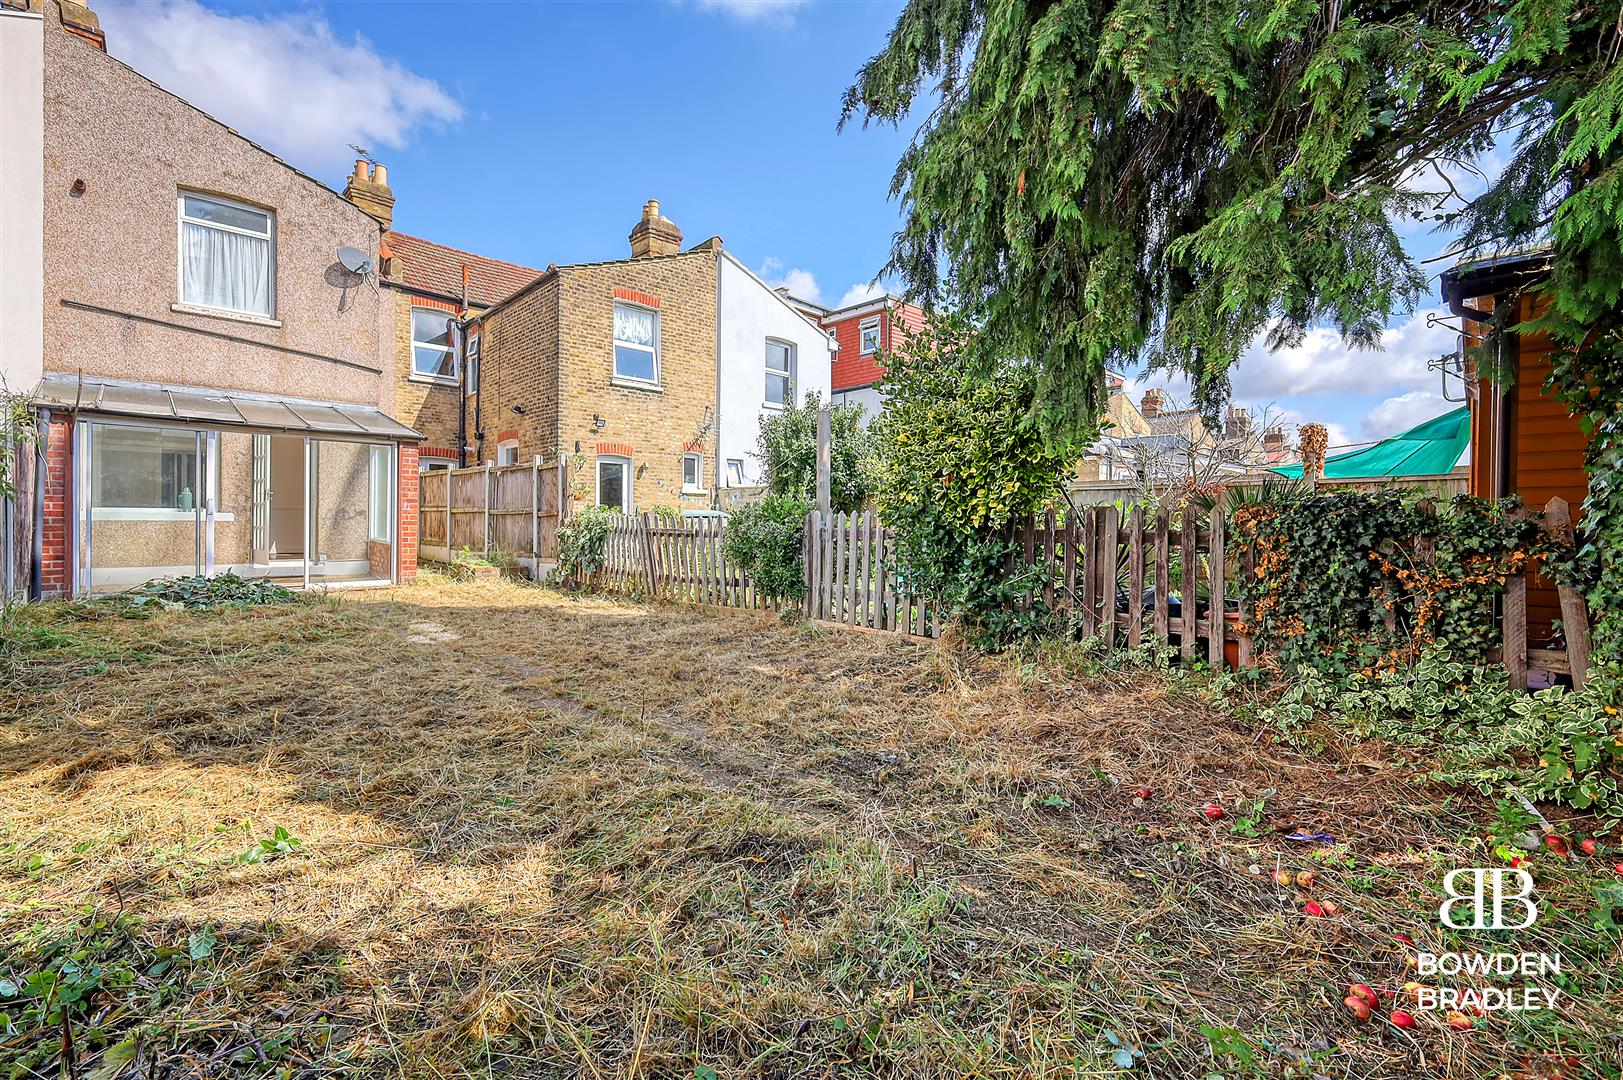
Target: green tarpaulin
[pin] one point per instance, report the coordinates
(1426, 450)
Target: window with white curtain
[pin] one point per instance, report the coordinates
(227, 255)
(382, 494)
(636, 343)
(780, 373)
(432, 355)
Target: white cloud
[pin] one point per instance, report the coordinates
(802, 283)
(287, 82)
(860, 292)
(1322, 363)
(758, 11)
(1403, 412)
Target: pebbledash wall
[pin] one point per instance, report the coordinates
(118, 151)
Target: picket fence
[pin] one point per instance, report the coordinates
(848, 579)
(1078, 566)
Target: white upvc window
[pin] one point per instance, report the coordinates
(435, 464)
(780, 373)
(869, 331)
(735, 472)
(432, 354)
(614, 483)
(507, 452)
(693, 473)
(381, 501)
(636, 343)
(227, 255)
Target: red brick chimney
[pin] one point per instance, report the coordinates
(368, 188)
(1273, 445)
(1152, 403)
(654, 234)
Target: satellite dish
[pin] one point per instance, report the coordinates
(354, 260)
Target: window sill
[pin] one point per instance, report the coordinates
(429, 380)
(222, 313)
(636, 384)
(695, 491)
(139, 513)
(773, 406)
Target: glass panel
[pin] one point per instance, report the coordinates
(634, 326)
(611, 484)
(633, 363)
(430, 327)
(436, 362)
(242, 506)
(777, 389)
(777, 357)
(341, 501)
(381, 495)
(237, 217)
(139, 512)
(690, 471)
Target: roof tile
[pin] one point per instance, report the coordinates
(437, 269)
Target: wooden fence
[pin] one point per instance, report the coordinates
(508, 509)
(847, 577)
(1080, 566)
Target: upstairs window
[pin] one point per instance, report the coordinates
(636, 343)
(870, 336)
(432, 356)
(780, 373)
(226, 256)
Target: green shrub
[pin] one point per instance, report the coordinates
(960, 458)
(201, 591)
(766, 541)
(1556, 744)
(788, 448)
(580, 541)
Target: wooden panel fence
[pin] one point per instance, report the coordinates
(509, 509)
(851, 577)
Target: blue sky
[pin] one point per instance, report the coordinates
(534, 133)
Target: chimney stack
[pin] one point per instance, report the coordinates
(654, 234)
(1151, 404)
(368, 188)
(1273, 445)
(80, 21)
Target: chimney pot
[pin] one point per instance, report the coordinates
(655, 234)
(1151, 403)
(360, 169)
(368, 188)
(380, 175)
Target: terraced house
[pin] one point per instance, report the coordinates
(647, 376)
(203, 347)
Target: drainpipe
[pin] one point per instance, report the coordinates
(36, 561)
(462, 389)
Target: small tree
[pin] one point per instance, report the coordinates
(18, 433)
(960, 458)
(788, 447)
(764, 540)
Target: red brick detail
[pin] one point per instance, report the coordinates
(636, 297)
(693, 446)
(406, 539)
(439, 305)
(620, 449)
(510, 435)
(436, 452)
(54, 570)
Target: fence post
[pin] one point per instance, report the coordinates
(1574, 611)
(450, 482)
(1217, 608)
(647, 554)
(490, 481)
(825, 460)
(535, 516)
(1513, 627)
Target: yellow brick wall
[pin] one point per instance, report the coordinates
(431, 408)
(656, 424)
(552, 352)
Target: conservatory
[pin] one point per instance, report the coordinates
(170, 481)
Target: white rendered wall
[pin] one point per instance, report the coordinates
(870, 398)
(751, 313)
(22, 207)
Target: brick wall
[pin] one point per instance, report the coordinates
(406, 540)
(655, 426)
(431, 408)
(55, 565)
(520, 367)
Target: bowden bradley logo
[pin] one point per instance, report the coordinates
(1489, 896)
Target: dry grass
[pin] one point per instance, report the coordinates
(553, 836)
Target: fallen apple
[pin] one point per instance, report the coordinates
(1459, 1021)
(1556, 844)
(1360, 990)
(1402, 1019)
(1142, 793)
(1284, 877)
(1314, 908)
(1212, 811)
(1588, 846)
(1305, 879)
(1405, 938)
(1359, 1006)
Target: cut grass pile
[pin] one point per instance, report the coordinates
(489, 829)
